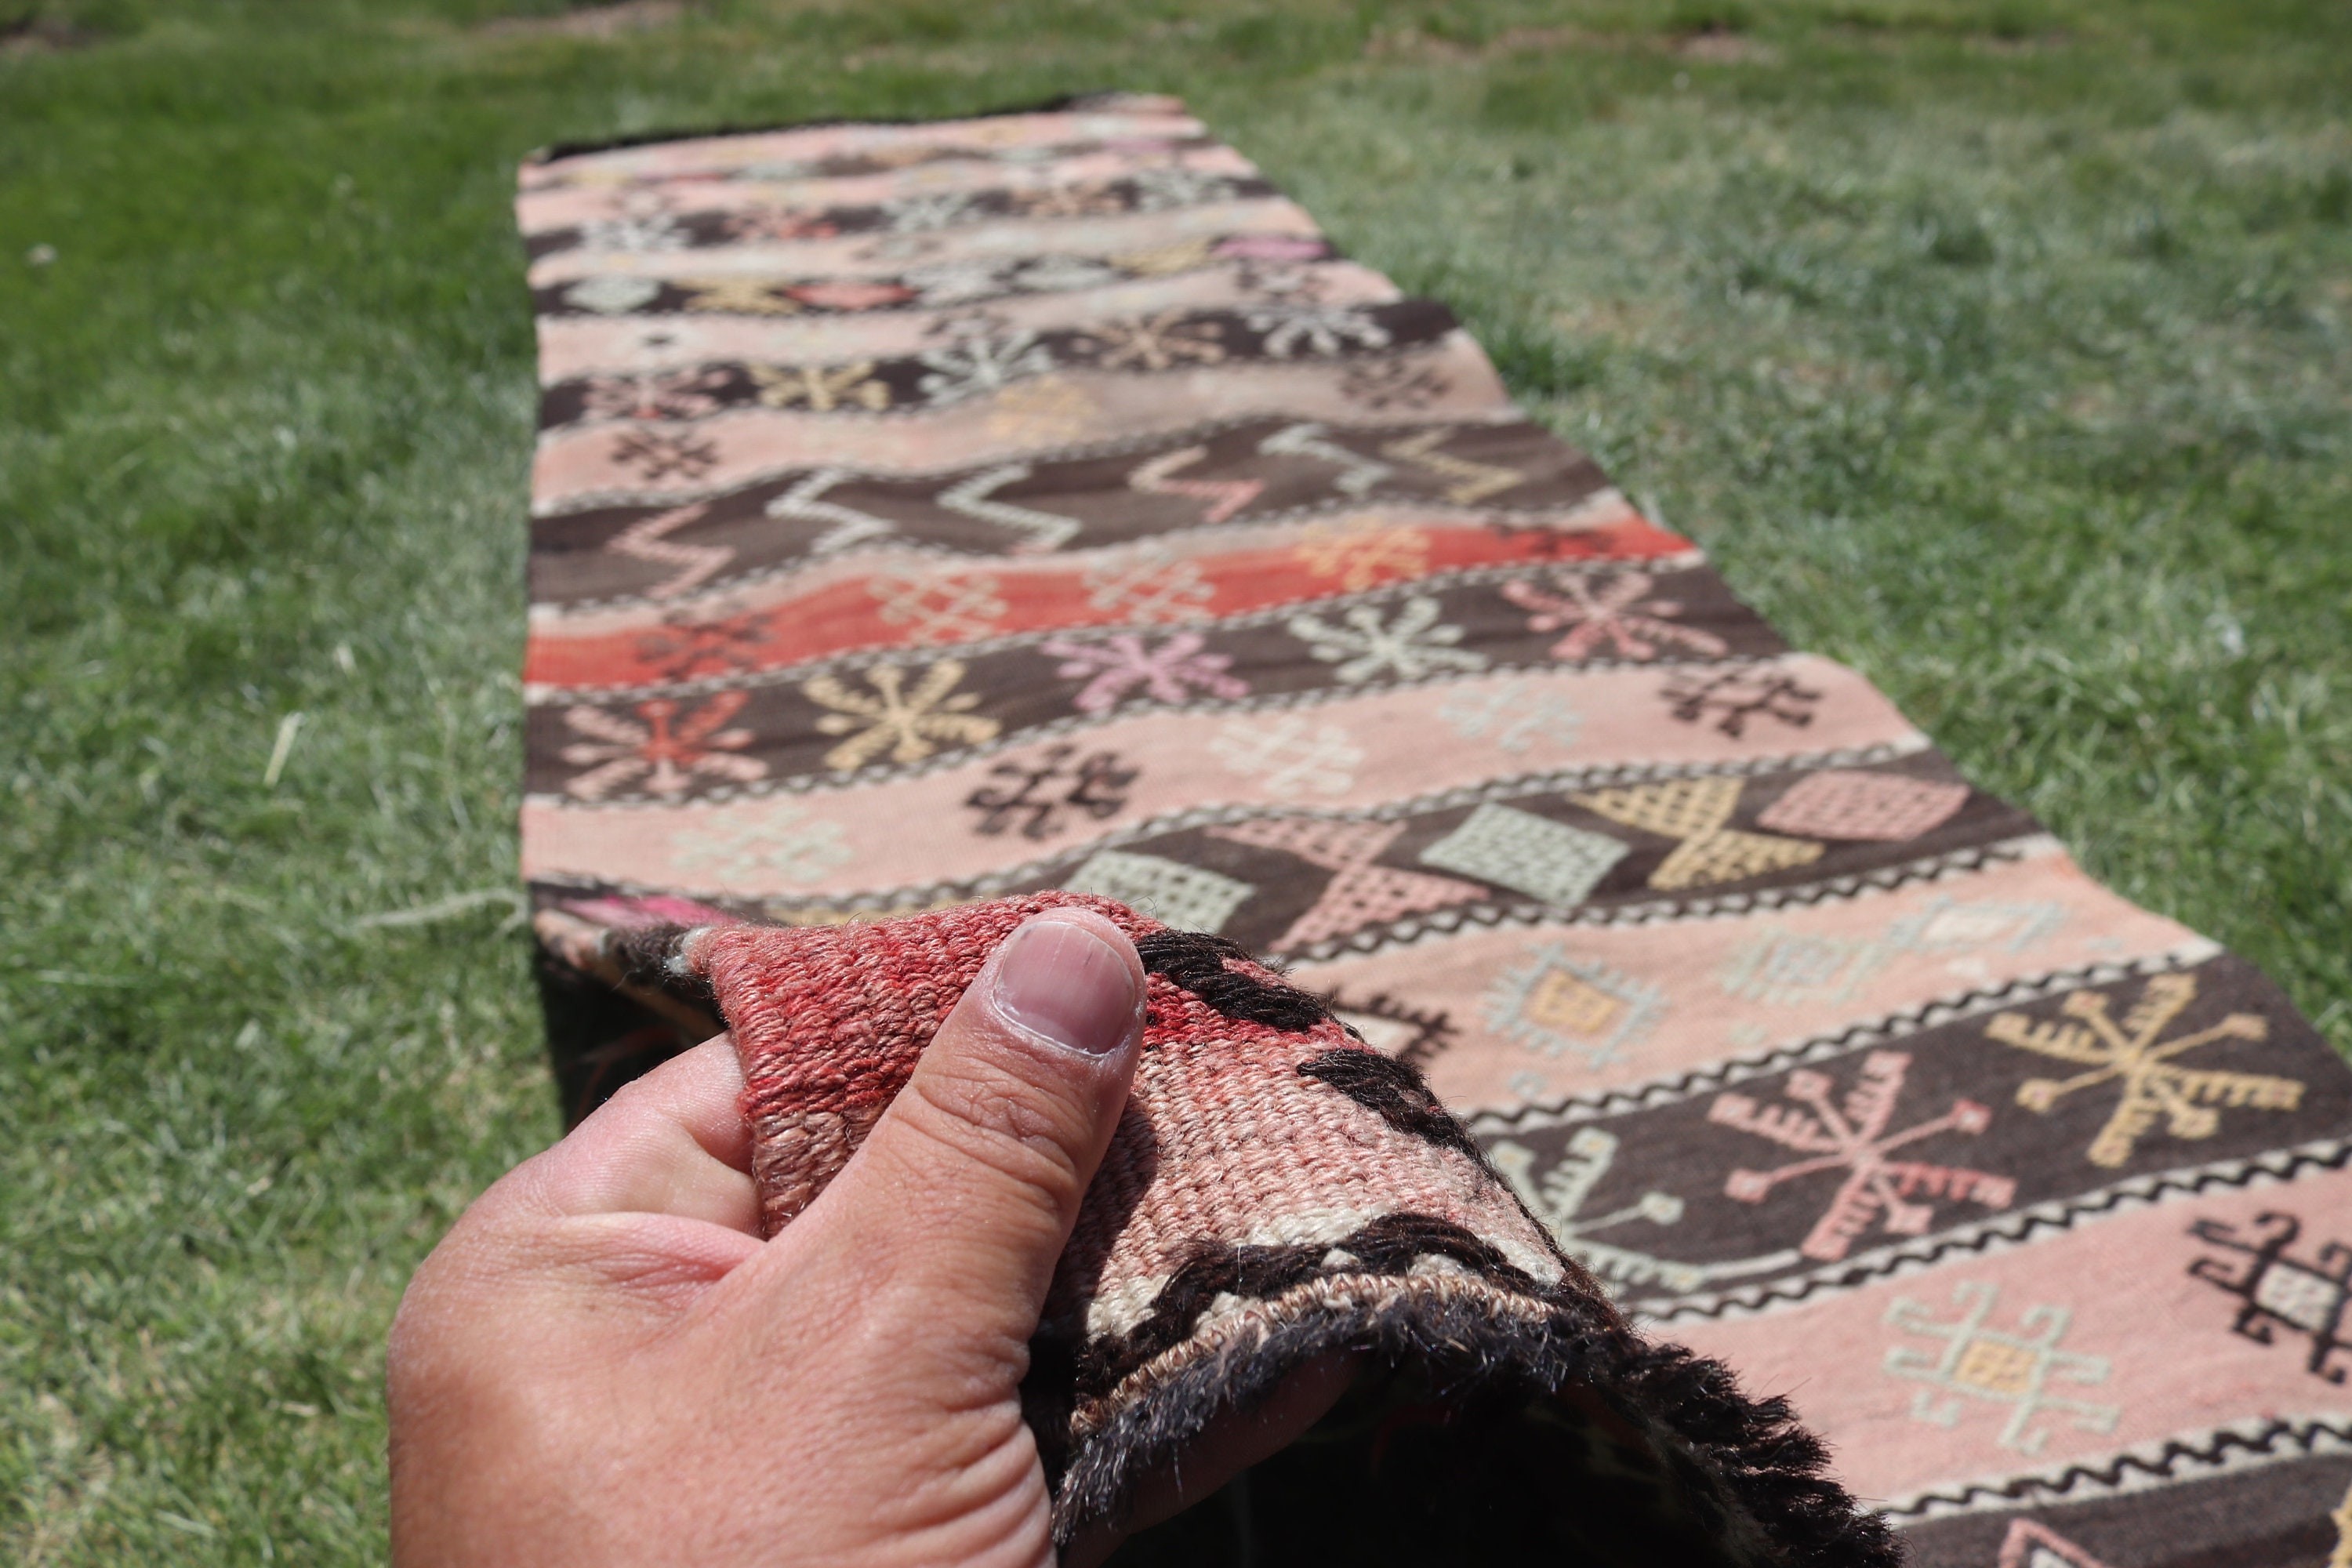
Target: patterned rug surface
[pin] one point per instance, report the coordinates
(927, 512)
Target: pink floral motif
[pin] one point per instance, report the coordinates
(679, 394)
(1271, 247)
(1616, 610)
(1852, 1137)
(850, 294)
(754, 227)
(664, 750)
(1169, 673)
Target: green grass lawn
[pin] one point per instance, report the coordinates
(2001, 347)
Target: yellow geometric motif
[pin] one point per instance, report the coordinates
(1364, 552)
(904, 723)
(1560, 1001)
(1045, 408)
(737, 297)
(1694, 811)
(1473, 482)
(2129, 1054)
(1166, 258)
(818, 389)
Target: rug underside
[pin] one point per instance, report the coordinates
(928, 514)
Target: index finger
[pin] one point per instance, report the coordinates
(673, 1142)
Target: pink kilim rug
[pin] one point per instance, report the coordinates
(928, 513)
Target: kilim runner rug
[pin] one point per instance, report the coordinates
(927, 513)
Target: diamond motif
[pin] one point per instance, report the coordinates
(1526, 853)
(1554, 1002)
(1361, 893)
(1184, 897)
(1842, 803)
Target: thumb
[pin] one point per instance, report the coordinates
(968, 1185)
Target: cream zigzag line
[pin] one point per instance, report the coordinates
(1554, 515)
(1865, 1035)
(1592, 776)
(2002, 1233)
(540, 694)
(1122, 446)
(2247, 1445)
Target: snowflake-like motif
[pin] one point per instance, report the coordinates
(820, 389)
(666, 751)
(1118, 665)
(978, 365)
(1157, 342)
(737, 297)
(1293, 329)
(932, 210)
(1168, 185)
(1598, 610)
(1852, 1137)
(955, 282)
(1394, 384)
(655, 395)
(1289, 755)
(1413, 645)
(658, 457)
(2133, 1054)
(635, 232)
(1736, 696)
(909, 725)
(1035, 791)
(1516, 715)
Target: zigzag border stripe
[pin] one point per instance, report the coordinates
(2220, 1450)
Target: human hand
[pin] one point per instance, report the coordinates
(602, 1364)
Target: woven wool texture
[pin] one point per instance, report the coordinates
(928, 515)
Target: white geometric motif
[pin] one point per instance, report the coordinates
(1412, 645)
(1293, 329)
(1289, 756)
(1553, 1003)
(1997, 1366)
(611, 293)
(1529, 854)
(1789, 968)
(1184, 897)
(1148, 583)
(782, 842)
(980, 364)
(937, 606)
(1520, 713)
